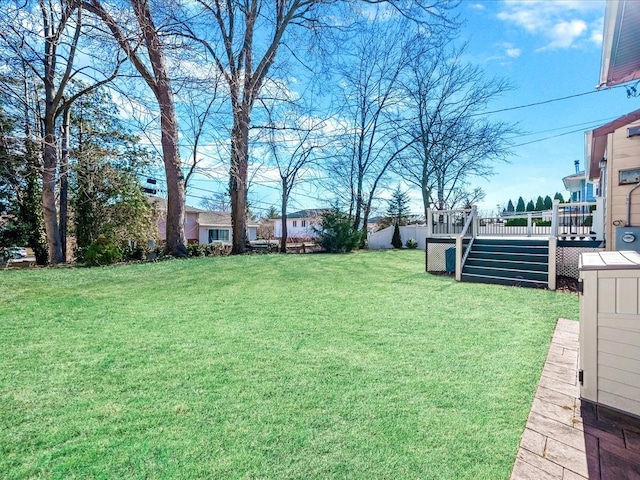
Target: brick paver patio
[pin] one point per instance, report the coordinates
(566, 439)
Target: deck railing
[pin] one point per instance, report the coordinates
(575, 220)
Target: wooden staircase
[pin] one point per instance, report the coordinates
(521, 262)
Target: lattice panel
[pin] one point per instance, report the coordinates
(436, 259)
(567, 260)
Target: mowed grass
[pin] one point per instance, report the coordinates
(267, 367)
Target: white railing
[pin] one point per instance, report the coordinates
(469, 229)
(446, 223)
(582, 220)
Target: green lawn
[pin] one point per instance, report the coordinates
(290, 366)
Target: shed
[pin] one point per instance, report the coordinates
(610, 329)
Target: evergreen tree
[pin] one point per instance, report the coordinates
(336, 233)
(396, 240)
(539, 204)
(520, 205)
(20, 188)
(272, 212)
(107, 198)
(398, 207)
(531, 206)
(510, 207)
(558, 196)
(548, 203)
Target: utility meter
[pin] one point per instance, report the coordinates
(628, 238)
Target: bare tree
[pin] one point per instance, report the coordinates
(374, 134)
(48, 36)
(249, 34)
(295, 143)
(142, 43)
(217, 202)
(452, 140)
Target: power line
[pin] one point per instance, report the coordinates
(552, 100)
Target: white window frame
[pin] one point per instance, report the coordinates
(219, 230)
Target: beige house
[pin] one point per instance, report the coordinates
(613, 163)
(613, 150)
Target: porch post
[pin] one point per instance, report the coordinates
(429, 223)
(553, 243)
(459, 258)
(598, 219)
(476, 222)
(529, 223)
(554, 218)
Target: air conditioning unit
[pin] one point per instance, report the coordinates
(633, 131)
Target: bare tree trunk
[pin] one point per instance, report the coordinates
(285, 200)
(64, 182)
(49, 180)
(238, 181)
(175, 180)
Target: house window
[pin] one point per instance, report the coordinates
(218, 235)
(303, 223)
(295, 223)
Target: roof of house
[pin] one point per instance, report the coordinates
(161, 203)
(620, 43)
(597, 141)
(572, 182)
(219, 219)
(309, 213)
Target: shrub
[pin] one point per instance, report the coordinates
(133, 253)
(411, 243)
(336, 233)
(588, 222)
(396, 240)
(195, 250)
(102, 251)
(516, 222)
(543, 223)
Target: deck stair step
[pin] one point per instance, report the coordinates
(505, 261)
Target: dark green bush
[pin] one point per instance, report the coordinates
(588, 222)
(411, 243)
(196, 250)
(396, 240)
(102, 251)
(133, 253)
(336, 233)
(543, 223)
(516, 222)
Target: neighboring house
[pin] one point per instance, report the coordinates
(299, 224)
(190, 220)
(580, 188)
(215, 227)
(200, 226)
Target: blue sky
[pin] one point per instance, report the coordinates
(549, 49)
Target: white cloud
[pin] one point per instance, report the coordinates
(477, 6)
(564, 34)
(559, 23)
(513, 52)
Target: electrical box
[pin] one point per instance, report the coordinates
(629, 177)
(628, 238)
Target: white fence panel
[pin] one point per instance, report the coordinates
(382, 239)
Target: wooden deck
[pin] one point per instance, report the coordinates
(566, 439)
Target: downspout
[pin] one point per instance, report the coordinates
(629, 204)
